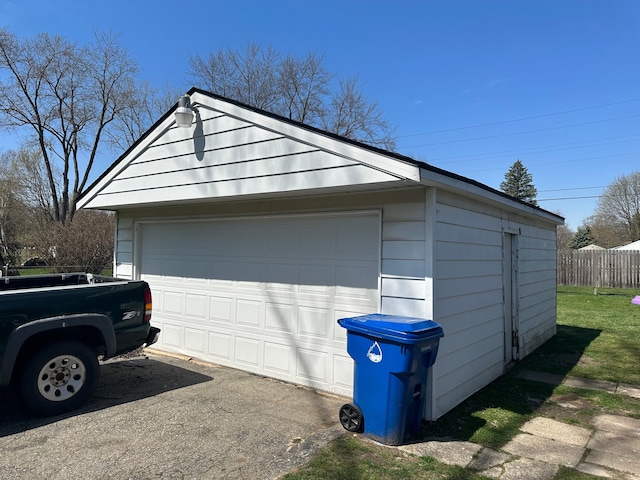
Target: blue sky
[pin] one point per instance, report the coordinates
(471, 86)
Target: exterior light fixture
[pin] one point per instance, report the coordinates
(184, 112)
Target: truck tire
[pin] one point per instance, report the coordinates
(59, 377)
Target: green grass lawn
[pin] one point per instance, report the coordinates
(597, 337)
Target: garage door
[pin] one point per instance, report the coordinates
(264, 294)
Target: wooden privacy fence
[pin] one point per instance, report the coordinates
(599, 268)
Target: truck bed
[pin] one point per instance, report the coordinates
(52, 280)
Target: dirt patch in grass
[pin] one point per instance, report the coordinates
(586, 361)
(569, 408)
(570, 401)
(577, 406)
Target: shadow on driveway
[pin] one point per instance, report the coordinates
(121, 381)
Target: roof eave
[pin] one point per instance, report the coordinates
(432, 176)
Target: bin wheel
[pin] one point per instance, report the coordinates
(351, 418)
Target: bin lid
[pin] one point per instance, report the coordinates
(409, 330)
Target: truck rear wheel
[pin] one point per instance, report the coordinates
(59, 377)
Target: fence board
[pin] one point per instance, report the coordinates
(599, 268)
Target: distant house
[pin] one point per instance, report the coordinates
(631, 246)
(593, 246)
(258, 233)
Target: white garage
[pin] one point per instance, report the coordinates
(264, 293)
(257, 234)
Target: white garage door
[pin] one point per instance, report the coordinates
(264, 294)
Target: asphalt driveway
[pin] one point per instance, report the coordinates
(162, 417)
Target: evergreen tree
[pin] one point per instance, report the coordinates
(582, 238)
(518, 183)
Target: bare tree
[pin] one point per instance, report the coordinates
(68, 96)
(606, 232)
(564, 236)
(302, 86)
(214, 72)
(26, 212)
(619, 207)
(84, 243)
(12, 212)
(297, 88)
(353, 116)
(248, 76)
(29, 173)
(144, 107)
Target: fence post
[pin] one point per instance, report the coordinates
(594, 272)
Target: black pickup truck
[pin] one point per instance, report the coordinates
(54, 328)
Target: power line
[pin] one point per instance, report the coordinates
(520, 119)
(573, 188)
(509, 153)
(567, 198)
(521, 133)
(465, 172)
(578, 197)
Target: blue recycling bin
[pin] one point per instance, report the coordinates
(392, 355)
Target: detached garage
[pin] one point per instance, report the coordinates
(257, 234)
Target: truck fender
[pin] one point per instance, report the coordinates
(21, 334)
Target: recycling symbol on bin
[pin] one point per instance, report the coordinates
(375, 353)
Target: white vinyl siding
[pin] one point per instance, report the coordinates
(469, 291)
(538, 282)
(123, 262)
(403, 259)
(224, 157)
(468, 303)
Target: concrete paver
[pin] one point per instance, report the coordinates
(629, 390)
(527, 469)
(489, 458)
(597, 470)
(545, 450)
(449, 452)
(617, 462)
(617, 424)
(559, 431)
(623, 445)
(590, 384)
(585, 383)
(522, 469)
